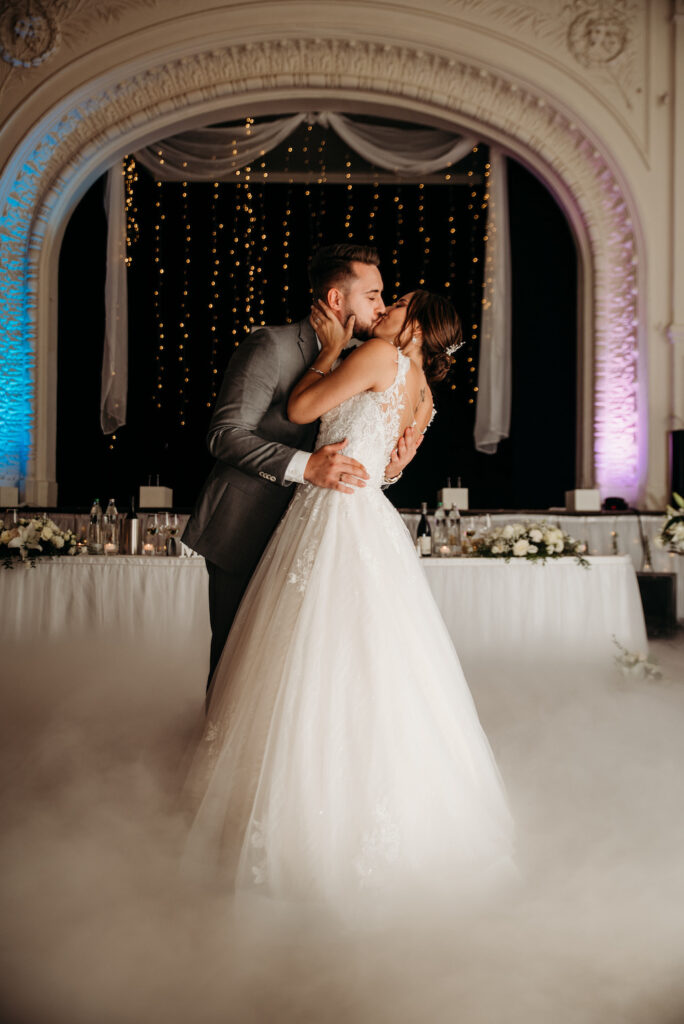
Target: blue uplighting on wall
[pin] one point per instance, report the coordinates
(25, 207)
(16, 357)
(16, 361)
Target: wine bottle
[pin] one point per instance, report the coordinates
(424, 533)
(131, 531)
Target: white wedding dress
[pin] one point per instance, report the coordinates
(342, 762)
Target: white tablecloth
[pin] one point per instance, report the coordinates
(127, 596)
(603, 534)
(488, 605)
(558, 609)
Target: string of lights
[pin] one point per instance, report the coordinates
(159, 298)
(252, 265)
(452, 242)
(471, 330)
(398, 242)
(285, 242)
(130, 173)
(183, 342)
(423, 238)
(373, 213)
(350, 203)
(250, 258)
(234, 261)
(213, 304)
(261, 253)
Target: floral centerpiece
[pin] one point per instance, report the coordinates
(534, 541)
(671, 535)
(28, 539)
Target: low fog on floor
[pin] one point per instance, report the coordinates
(98, 926)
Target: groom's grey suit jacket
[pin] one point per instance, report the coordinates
(252, 441)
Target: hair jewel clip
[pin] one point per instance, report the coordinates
(450, 349)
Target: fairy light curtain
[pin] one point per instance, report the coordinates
(218, 154)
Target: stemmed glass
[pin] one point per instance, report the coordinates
(470, 531)
(151, 545)
(172, 529)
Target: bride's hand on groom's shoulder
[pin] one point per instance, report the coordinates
(333, 335)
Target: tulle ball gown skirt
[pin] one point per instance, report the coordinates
(342, 762)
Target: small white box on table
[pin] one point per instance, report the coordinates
(586, 500)
(9, 496)
(454, 497)
(155, 497)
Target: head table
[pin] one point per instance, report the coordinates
(488, 605)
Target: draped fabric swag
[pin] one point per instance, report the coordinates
(214, 154)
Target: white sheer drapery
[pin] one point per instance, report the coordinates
(114, 391)
(493, 415)
(214, 154)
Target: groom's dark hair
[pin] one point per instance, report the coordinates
(331, 265)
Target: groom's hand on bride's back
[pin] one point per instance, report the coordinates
(330, 467)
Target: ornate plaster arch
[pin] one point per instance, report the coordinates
(82, 134)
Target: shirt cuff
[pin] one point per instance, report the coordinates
(294, 474)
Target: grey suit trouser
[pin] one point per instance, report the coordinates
(225, 593)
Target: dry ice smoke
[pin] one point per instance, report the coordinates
(99, 927)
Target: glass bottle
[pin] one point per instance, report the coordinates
(454, 532)
(94, 537)
(440, 544)
(111, 529)
(424, 533)
(131, 531)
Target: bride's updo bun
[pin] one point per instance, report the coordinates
(440, 328)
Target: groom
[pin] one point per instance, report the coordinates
(259, 453)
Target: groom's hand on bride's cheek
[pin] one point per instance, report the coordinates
(330, 467)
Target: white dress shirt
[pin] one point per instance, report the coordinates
(294, 474)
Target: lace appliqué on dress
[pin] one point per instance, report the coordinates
(301, 571)
(257, 840)
(380, 847)
(430, 421)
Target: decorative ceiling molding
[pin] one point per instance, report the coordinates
(75, 136)
(31, 31)
(598, 34)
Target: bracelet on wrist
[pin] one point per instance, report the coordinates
(393, 480)
(314, 370)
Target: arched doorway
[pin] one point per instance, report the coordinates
(81, 137)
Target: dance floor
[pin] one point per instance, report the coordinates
(98, 926)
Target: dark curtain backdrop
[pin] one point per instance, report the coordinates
(166, 424)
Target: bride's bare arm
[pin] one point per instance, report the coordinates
(371, 366)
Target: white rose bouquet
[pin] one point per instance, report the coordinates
(28, 539)
(534, 541)
(671, 534)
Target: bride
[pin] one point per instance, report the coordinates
(342, 762)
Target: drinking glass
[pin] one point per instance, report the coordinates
(470, 532)
(172, 530)
(150, 546)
